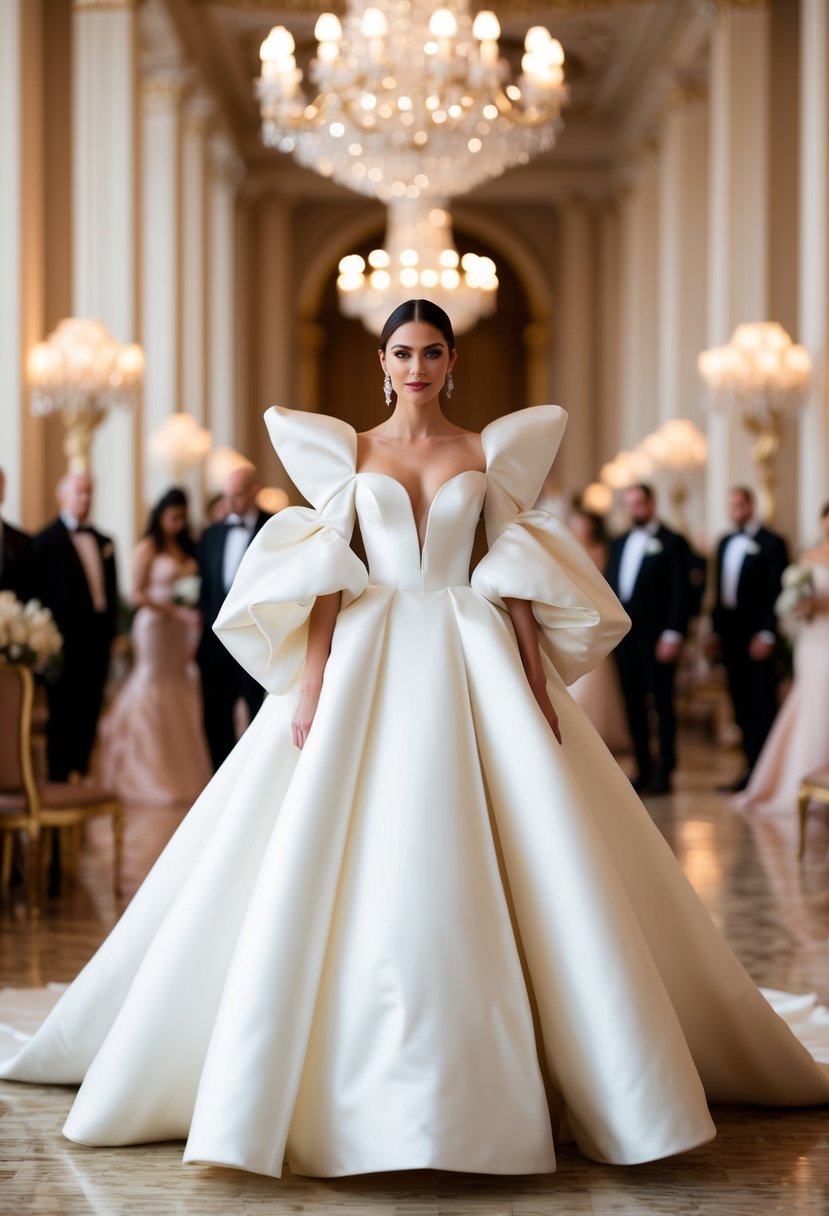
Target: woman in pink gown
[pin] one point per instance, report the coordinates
(799, 740)
(151, 747)
(598, 691)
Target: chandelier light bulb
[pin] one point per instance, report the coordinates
(328, 28)
(486, 27)
(536, 38)
(374, 24)
(278, 45)
(442, 24)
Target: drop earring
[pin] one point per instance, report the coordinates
(450, 385)
(387, 389)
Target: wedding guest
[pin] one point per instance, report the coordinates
(151, 745)
(16, 571)
(599, 692)
(748, 567)
(75, 576)
(648, 570)
(222, 547)
(798, 742)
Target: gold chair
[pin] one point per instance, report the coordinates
(30, 806)
(814, 788)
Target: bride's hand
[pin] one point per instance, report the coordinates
(546, 706)
(304, 714)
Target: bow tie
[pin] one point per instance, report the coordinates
(83, 528)
(233, 521)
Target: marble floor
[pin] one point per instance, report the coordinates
(773, 910)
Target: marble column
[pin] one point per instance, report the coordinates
(161, 226)
(576, 330)
(683, 236)
(197, 112)
(738, 219)
(639, 310)
(21, 291)
(225, 175)
(103, 211)
(813, 470)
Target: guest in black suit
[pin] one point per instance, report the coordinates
(648, 569)
(74, 572)
(222, 547)
(747, 575)
(16, 569)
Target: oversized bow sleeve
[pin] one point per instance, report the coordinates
(533, 555)
(299, 554)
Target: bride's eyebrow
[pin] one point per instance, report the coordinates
(431, 346)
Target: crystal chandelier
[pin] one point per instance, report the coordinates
(413, 101)
(420, 258)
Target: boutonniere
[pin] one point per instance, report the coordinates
(107, 550)
(654, 545)
(752, 547)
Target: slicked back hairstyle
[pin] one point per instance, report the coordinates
(418, 310)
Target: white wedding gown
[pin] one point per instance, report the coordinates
(434, 938)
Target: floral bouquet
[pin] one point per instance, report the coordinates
(29, 635)
(186, 591)
(797, 587)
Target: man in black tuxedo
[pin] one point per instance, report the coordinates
(747, 576)
(16, 570)
(74, 576)
(648, 569)
(222, 547)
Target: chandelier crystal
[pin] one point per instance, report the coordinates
(419, 258)
(413, 101)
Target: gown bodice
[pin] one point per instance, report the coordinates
(165, 571)
(390, 536)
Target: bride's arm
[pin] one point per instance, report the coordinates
(320, 631)
(526, 633)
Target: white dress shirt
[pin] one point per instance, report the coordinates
(237, 539)
(736, 548)
(633, 555)
(86, 547)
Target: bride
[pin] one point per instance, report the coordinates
(418, 919)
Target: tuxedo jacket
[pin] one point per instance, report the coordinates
(758, 586)
(16, 563)
(660, 597)
(213, 591)
(60, 583)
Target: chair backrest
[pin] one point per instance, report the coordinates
(16, 699)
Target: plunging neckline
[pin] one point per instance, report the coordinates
(428, 514)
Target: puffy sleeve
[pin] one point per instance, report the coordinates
(297, 555)
(533, 555)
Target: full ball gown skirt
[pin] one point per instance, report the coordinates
(434, 938)
(798, 742)
(151, 747)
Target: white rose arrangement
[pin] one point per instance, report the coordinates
(798, 586)
(186, 591)
(29, 635)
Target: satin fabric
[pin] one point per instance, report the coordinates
(434, 938)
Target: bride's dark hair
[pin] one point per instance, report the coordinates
(418, 310)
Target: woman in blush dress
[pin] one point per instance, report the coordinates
(798, 743)
(598, 691)
(151, 746)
